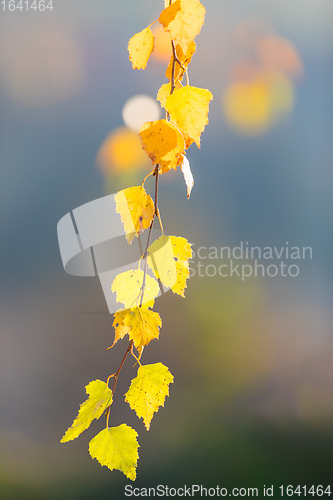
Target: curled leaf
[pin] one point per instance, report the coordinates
(188, 177)
(184, 58)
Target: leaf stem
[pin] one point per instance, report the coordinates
(115, 376)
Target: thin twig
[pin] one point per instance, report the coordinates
(115, 376)
(145, 255)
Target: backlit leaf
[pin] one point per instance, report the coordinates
(185, 59)
(143, 326)
(140, 47)
(100, 396)
(117, 448)
(136, 209)
(164, 92)
(182, 252)
(183, 19)
(118, 324)
(161, 261)
(163, 143)
(128, 287)
(139, 323)
(148, 391)
(188, 108)
(188, 177)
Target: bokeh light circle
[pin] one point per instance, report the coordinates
(140, 109)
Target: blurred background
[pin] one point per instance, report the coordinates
(252, 400)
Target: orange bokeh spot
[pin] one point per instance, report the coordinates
(162, 50)
(279, 54)
(121, 151)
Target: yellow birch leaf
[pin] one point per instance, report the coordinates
(143, 326)
(161, 261)
(184, 58)
(140, 47)
(163, 143)
(188, 108)
(119, 326)
(149, 390)
(128, 287)
(182, 253)
(183, 19)
(136, 209)
(164, 92)
(100, 396)
(117, 448)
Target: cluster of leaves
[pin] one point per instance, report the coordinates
(166, 260)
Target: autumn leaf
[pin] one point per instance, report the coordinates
(143, 326)
(188, 177)
(183, 19)
(100, 396)
(140, 47)
(184, 58)
(188, 108)
(182, 253)
(128, 287)
(161, 261)
(117, 448)
(163, 143)
(149, 390)
(164, 92)
(136, 209)
(118, 324)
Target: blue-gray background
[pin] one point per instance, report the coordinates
(252, 399)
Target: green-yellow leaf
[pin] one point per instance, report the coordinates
(148, 391)
(136, 209)
(117, 448)
(140, 47)
(182, 253)
(128, 287)
(100, 396)
(161, 261)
